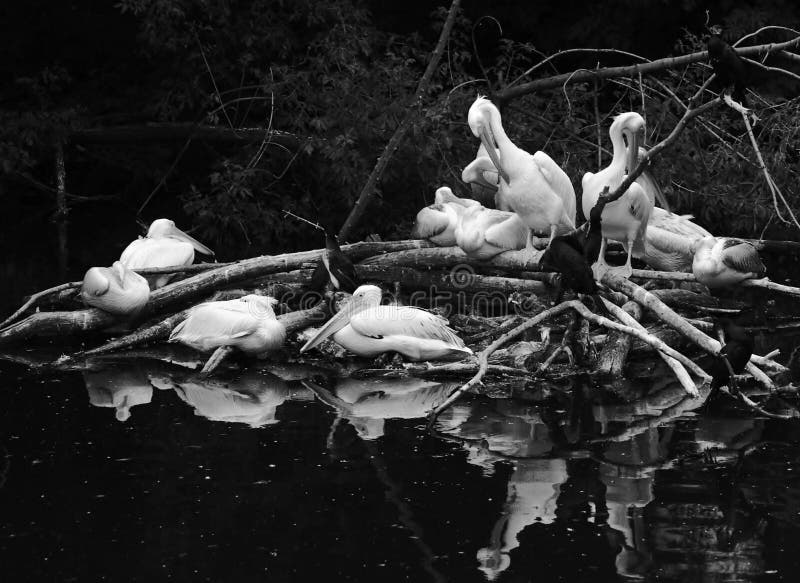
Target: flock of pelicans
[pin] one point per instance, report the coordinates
(533, 197)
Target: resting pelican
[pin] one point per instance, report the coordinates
(534, 186)
(165, 245)
(626, 218)
(724, 261)
(115, 289)
(437, 222)
(483, 233)
(366, 328)
(670, 241)
(247, 323)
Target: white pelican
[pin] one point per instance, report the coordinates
(484, 179)
(115, 289)
(437, 222)
(165, 245)
(483, 233)
(724, 261)
(534, 186)
(247, 323)
(118, 385)
(670, 241)
(626, 218)
(366, 328)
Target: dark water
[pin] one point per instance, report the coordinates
(136, 470)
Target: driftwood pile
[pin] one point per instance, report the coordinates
(502, 308)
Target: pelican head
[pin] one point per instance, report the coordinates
(482, 115)
(365, 296)
(115, 289)
(631, 126)
(166, 229)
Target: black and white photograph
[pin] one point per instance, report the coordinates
(420, 291)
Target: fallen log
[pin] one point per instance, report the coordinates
(184, 291)
(612, 357)
(680, 372)
(454, 281)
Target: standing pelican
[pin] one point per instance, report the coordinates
(626, 218)
(165, 245)
(724, 261)
(483, 233)
(534, 186)
(366, 328)
(115, 289)
(247, 323)
(437, 222)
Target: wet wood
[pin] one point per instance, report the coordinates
(614, 354)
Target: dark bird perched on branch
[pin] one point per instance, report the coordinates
(566, 255)
(734, 356)
(334, 266)
(729, 68)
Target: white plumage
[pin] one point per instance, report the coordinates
(366, 328)
(115, 289)
(724, 261)
(533, 186)
(626, 218)
(483, 233)
(247, 323)
(437, 222)
(165, 245)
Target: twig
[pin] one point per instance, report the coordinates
(483, 355)
(513, 92)
(773, 188)
(36, 297)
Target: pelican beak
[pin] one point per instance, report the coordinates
(636, 140)
(339, 321)
(487, 139)
(176, 233)
(120, 271)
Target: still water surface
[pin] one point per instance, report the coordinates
(137, 470)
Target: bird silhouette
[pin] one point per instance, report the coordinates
(731, 71)
(734, 356)
(334, 266)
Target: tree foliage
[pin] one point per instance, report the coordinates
(326, 72)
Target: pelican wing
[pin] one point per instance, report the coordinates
(380, 321)
(558, 181)
(678, 224)
(216, 322)
(481, 171)
(742, 256)
(641, 207)
(146, 252)
(507, 231)
(431, 221)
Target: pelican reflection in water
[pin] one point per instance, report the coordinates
(252, 397)
(119, 385)
(367, 403)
